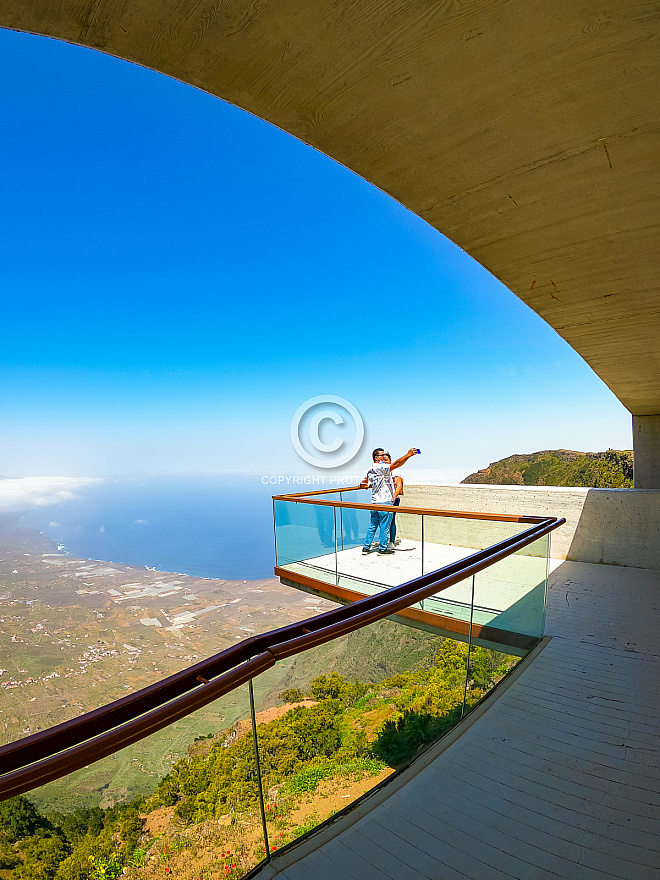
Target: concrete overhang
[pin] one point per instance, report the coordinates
(526, 132)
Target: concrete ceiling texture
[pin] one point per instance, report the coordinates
(526, 132)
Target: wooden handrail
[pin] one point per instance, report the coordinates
(66, 747)
(294, 495)
(304, 498)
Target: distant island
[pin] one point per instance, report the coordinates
(561, 467)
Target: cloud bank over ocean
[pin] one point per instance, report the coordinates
(438, 476)
(24, 493)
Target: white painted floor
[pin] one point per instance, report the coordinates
(558, 778)
(509, 595)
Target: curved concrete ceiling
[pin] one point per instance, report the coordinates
(526, 132)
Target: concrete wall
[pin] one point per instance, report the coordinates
(611, 526)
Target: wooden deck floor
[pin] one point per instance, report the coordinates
(558, 778)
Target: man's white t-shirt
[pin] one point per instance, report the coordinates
(381, 482)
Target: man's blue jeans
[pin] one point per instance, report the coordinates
(382, 520)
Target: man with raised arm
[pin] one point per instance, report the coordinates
(398, 492)
(379, 477)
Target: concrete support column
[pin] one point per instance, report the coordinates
(646, 450)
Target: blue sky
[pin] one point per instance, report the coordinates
(178, 277)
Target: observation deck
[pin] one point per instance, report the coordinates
(319, 539)
(469, 557)
(560, 775)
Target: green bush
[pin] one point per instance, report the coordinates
(19, 818)
(336, 687)
(400, 739)
(42, 856)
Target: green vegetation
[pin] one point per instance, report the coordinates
(83, 845)
(561, 467)
(372, 653)
(352, 733)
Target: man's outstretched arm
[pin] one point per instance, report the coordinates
(403, 459)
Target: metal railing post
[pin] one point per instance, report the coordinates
(422, 602)
(341, 519)
(256, 759)
(334, 509)
(467, 663)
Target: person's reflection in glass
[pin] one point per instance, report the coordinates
(324, 524)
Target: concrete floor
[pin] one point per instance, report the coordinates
(558, 777)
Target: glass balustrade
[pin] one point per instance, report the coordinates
(209, 804)
(223, 788)
(182, 802)
(199, 800)
(320, 547)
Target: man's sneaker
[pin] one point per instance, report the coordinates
(366, 551)
(387, 552)
(390, 545)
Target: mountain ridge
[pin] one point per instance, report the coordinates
(612, 469)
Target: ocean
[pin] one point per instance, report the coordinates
(208, 526)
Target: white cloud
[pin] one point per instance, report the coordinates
(141, 522)
(26, 492)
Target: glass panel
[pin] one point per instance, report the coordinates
(333, 744)
(372, 573)
(458, 537)
(182, 802)
(305, 533)
(359, 708)
(351, 523)
(453, 603)
(486, 668)
(511, 594)
(186, 802)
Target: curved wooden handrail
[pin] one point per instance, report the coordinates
(66, 747)
(76, 730)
